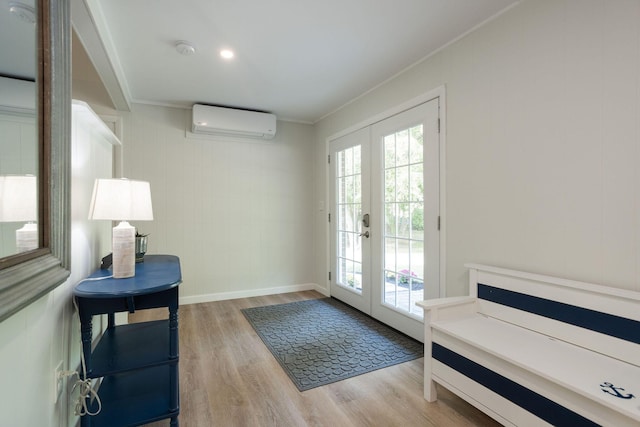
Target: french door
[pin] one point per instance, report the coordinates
(384, 188)
(350, 229)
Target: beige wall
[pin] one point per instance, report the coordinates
(543, 107)
(237, 213)
(543, 142)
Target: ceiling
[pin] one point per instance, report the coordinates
(298, 59)
(18, 47)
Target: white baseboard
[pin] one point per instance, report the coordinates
(252, 293)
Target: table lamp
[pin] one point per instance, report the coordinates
(19, 203)
(122, 200)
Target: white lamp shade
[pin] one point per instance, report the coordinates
(121, 200)
(18, 198)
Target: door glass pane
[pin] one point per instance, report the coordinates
(403, 256)
(390, 185)
(390, 150)
(402, 184)
(390, 219)
(348, 162)
(349, 209)
(415, 144)
(402, 147)
(404, 220)
(357, 160)
(390, 258)
(416, 184)
(417, 221)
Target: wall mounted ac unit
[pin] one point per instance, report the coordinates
(17, 96)
(232, 122)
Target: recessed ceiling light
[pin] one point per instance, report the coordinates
(23, 12)
(227, 53)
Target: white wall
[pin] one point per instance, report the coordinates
(237, 213)
(543, 142)
(35, 339)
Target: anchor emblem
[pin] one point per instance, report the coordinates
(615, 391)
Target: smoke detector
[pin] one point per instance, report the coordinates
(185, 48)
(23, 12)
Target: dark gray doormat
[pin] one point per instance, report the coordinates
(322, 341)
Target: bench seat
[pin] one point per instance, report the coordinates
(533, 350)
(536, 361)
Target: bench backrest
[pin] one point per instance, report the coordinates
(600, 318)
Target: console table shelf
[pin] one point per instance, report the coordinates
(137, 363)
(128, 347)
(134, 396)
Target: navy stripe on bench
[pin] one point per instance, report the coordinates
(529, 400)
(619, 327)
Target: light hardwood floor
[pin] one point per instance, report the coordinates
(229, 378)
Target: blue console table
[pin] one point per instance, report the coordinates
(138, 363)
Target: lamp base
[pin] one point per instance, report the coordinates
(124, 250)
(27, 237)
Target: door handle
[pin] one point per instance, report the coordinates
(365, 234)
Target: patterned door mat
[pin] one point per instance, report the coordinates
(322, 341)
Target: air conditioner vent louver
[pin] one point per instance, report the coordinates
(232, 122)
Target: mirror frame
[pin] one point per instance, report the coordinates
(26, 277)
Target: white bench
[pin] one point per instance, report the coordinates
(533, 350)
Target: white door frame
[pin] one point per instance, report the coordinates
(438, 92)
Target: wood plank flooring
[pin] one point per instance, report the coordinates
(229, 378)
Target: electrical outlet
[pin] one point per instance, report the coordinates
(58, 381)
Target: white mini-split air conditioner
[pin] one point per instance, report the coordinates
(232, 122)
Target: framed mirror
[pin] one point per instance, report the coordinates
(18, 128)
(29, 272)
